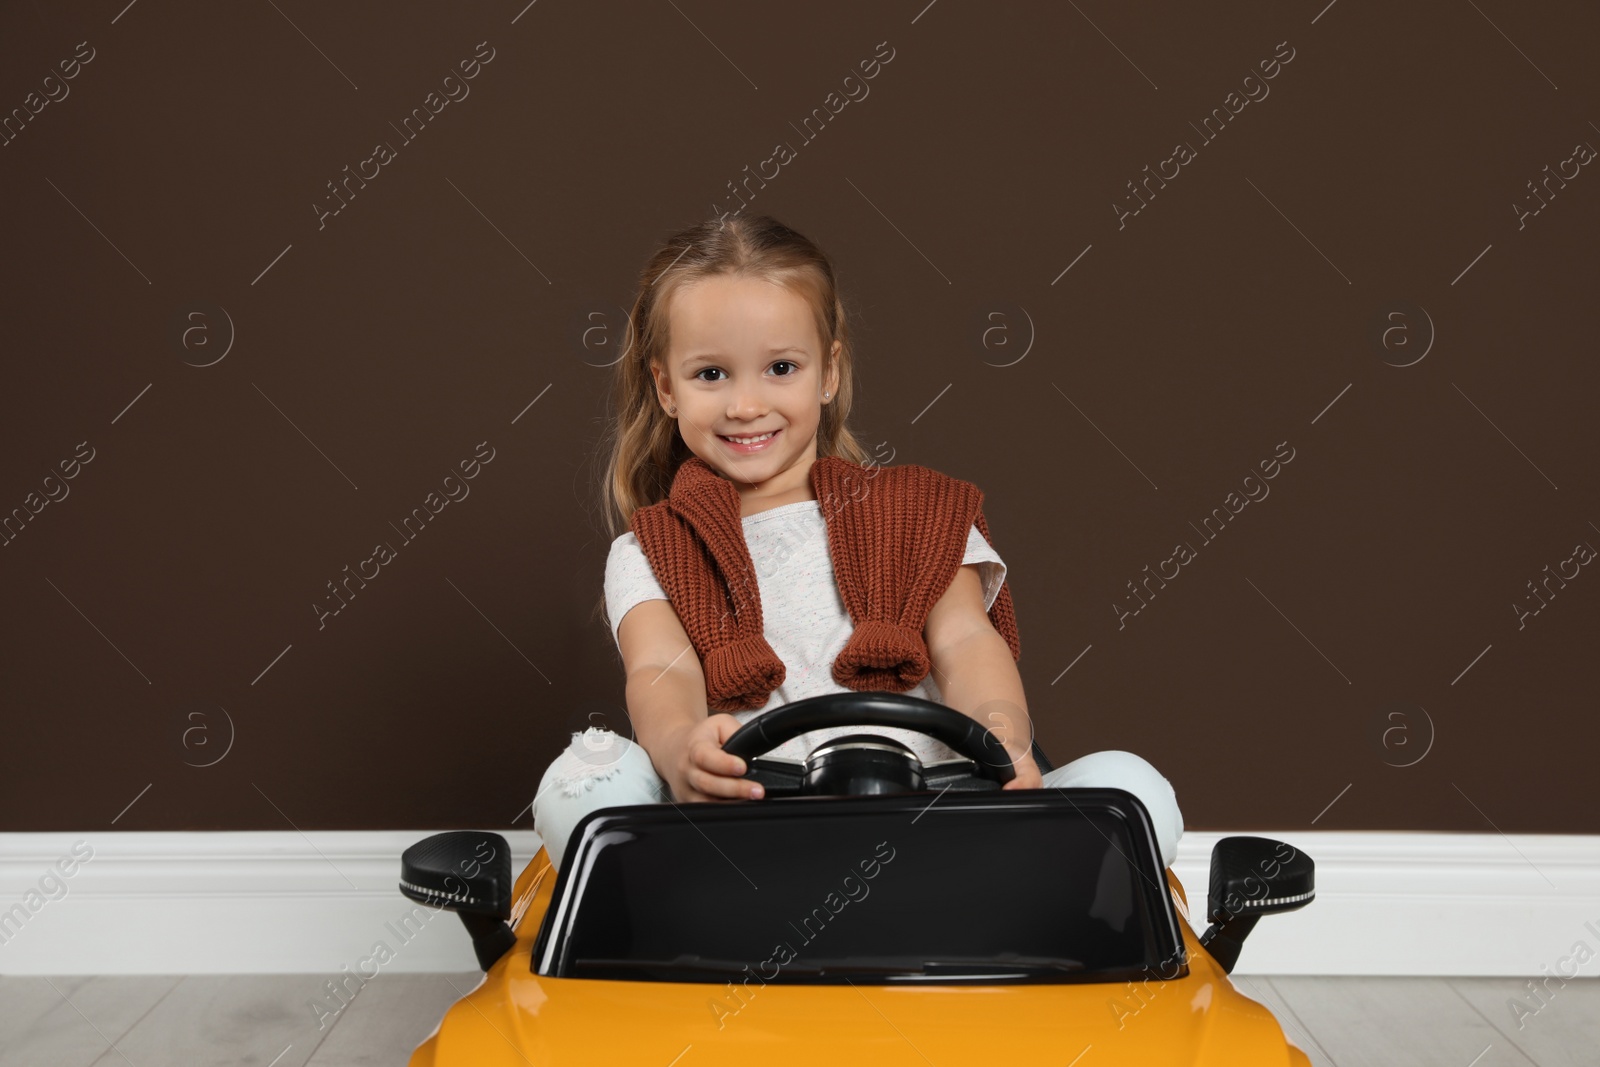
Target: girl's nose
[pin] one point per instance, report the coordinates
(746, 404)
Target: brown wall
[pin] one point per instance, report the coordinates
(165, 604)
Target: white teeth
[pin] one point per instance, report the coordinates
(749, 440)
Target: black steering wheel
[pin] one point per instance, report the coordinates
(866, 763)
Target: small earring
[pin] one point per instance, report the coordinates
(826, 395)
(674, 411)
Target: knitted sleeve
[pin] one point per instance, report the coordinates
(711, 583)
(910, 526)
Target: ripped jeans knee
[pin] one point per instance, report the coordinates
(598, 769)
(1125, 770)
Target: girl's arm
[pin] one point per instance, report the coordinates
(666, 696)
(976, 675)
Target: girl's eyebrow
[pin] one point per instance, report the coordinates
(706, 357)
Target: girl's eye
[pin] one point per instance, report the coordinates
(779, 363)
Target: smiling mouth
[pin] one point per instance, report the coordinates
(751, 443)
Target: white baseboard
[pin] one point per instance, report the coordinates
(1392, 903)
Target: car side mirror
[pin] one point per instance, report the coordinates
(468, 872)
(1252, 877)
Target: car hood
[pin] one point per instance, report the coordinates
(517, 1017)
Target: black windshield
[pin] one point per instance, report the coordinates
(1056, 886)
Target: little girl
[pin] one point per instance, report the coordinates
(737, 381)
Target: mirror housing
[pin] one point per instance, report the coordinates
(469, 873)
(1252, 877)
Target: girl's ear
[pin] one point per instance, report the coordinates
(663, 395)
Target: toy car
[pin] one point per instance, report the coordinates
(868, 909)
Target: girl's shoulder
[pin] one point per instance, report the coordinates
(912, 471)
(849, 479)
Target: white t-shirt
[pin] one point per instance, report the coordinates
(805, 618)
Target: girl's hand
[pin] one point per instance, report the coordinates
(1028, 776)
(697, 769)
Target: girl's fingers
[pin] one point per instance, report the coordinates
(710, 757)
(714, 774)
(717, 786)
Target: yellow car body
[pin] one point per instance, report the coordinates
(517, 1017)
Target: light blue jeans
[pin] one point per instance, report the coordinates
(600, 769)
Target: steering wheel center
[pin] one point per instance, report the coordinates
(862, 765)
(865, 763)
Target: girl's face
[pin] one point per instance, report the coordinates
(745, 360)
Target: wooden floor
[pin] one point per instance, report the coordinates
(266, 1020)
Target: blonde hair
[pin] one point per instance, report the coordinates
(644, 446)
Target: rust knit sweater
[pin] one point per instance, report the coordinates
(896, 536)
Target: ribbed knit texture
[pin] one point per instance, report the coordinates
(896, 536)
